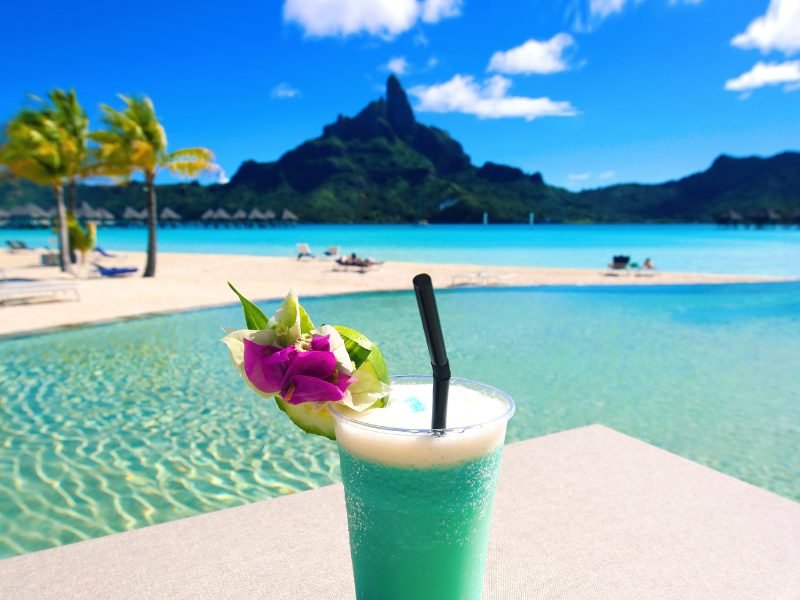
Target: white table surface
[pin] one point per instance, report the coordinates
(587, 513)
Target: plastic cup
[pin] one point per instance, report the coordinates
(419, 501)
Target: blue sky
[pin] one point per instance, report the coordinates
(589, 92)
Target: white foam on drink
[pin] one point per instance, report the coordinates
(409, 408)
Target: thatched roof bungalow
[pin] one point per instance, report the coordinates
(288, 217)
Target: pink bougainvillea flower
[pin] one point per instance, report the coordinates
(296, 375)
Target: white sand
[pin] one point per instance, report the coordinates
(186, 281)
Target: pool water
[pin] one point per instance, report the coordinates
(113, 427)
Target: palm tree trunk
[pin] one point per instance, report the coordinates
(152, 223)
(63, 236)
(72, 198)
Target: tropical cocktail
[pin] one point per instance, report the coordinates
(419, 455)
(418, 500)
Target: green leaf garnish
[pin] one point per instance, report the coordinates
(362, 350)
(253, 316)
(357, 344)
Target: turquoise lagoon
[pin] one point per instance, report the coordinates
(694, 248)
(113, 427)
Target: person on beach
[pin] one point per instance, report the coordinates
(648, 264)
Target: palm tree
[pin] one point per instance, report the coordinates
(65, 110)
(135, 142)
(38, 148)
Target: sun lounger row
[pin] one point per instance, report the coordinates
(25, 291)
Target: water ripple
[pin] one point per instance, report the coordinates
(109, 428)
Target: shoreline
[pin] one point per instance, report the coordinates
(191, 281)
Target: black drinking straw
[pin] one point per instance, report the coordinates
(433, 335)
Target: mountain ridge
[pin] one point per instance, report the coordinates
(382, 165)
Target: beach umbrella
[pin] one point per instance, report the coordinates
(240, 215)
(269, 215)
(208, 215)
(256, 215)
(221, 215)
(169, 215)
(288, 215)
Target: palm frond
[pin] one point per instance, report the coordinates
(192, 153)
(191, 168)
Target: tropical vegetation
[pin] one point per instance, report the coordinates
(46, 145)
(134, 141)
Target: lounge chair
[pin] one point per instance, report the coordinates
(303, 251)
(15, 245)
(362, 265)
(619, 263)
(25, 291)
(332, 252)
(104, 254)
(115, 271)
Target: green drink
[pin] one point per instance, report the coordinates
(419, 503)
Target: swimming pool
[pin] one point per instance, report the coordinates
(113, 427)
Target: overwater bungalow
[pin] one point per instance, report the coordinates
(105, 216)
(730, 218)
(169, 217)
(256, 217)
(288, 218)
(222, 215)
(28, 216)
(215, 217)
(240, 217)
(207, 217)
(131, 216)
(85, 211)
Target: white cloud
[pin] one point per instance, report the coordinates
(778, 29)
(222, 178)
(434, 11)
(763, 74)
(579, 176)
(586, 14)
(606, 175)
(398, 65)
(489, 100)
(605, 8)
(534, 56)
(284, 91)
(384, 18)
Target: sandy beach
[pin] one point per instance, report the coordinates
(188, 281)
